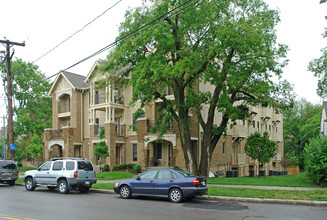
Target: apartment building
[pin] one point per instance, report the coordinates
(82, 106)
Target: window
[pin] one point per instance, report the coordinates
(159, 151)
(258, 125)
(253, 123)
(57, 165)
(149, 175)
(45, 166)
(243, 122)
(70, 165)
(266, 126)
(134, 146)
(224, 146)
(164, 174)
(85, 165)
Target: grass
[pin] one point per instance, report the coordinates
(106, 186)
(22, 170)
(113, 175)
(289, 181)
(312, 195)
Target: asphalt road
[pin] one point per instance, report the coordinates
(17, 204)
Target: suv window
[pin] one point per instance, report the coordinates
(8, 165)
(70, 165)
(45, 166)
(57, 165)
(85, 165)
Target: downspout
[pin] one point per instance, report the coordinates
(82, 123)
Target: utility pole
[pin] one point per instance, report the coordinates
(9, 94)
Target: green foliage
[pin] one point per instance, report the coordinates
(316, 160)
(301, 123)
(137, 168)
(105, 167)
(30, 87)
(20, 150)
(35, 148)
(230, 45)
(260, 147)
(101, 148)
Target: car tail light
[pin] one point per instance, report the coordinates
(75, 174)
(196, 182)
(17, 173)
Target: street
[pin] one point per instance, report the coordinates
(16, 204)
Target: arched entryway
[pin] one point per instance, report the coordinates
(55, 150)
(160, 154)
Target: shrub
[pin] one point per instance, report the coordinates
(137, 168)
(316, 160)
(115, 167)
(105, 167)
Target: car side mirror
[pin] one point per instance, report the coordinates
(38, 169)
(138, 178)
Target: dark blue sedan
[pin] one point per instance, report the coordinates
(175, 184)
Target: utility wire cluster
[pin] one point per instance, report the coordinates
(168, 14)
(76, 32)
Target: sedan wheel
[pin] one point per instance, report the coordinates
(29, 186)
(125, 192)
(63, 187)
(175, 195)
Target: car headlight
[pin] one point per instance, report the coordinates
(116, 185)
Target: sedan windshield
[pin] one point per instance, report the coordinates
(185, 173)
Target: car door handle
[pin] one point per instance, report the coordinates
(151, 181)
(171, 181)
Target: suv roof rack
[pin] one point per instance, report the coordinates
(67, 158)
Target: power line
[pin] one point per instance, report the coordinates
(133, 33)
(76, 32)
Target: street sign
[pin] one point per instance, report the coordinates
(12, 146)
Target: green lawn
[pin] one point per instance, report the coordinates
(22, 170)
(113, 175)
(288, 180)
(314, 195)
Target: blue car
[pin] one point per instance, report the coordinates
(174, 184)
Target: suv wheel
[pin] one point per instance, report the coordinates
(63, 187)
(29, 185)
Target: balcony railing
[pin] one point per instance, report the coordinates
(119, 100)
(63, 108)
(119, 130)
(278, 156)
(238, 159)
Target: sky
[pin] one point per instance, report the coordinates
(44, 24)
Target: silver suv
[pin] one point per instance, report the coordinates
(62, 173)
(8, 172)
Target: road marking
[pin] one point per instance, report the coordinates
(2, 216)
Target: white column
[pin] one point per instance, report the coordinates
(113, 113)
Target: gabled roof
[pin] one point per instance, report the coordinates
(76, 81)
(95, 65)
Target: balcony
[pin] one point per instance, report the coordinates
(239, 131)
(119, 130)
(99, 98)
(119, 100)
(238, 159)
(278, 156)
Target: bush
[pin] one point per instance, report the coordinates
(316, 160)
(115, 167)
(137, 168)
(105, 167)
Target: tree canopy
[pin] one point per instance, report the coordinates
(319, 67)
(260, 147)
(301, 123)
(230, 46)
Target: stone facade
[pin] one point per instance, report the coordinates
(81, 110)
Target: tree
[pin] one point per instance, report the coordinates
(30, 88)
(101, 148)
(260, 147)
(316, 160)
(230, 44)
(319, 67)
(301, 123)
